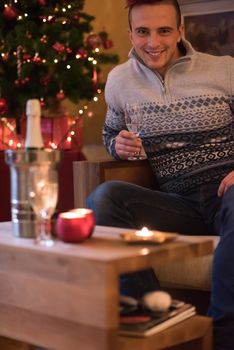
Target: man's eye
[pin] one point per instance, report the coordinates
(142, 32)
(165, 31)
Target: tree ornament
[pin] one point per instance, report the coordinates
(60, 95)
(82, 53)
(42, 2)
(107, 44)
(58, 47)
(68, 50)
(17, 82)
(3, 105)
(37, 58)
(19, 61)
(9, 13)
(25, 81)
(26, 57)
(93, 41)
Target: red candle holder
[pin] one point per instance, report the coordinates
(73, 227)
(88, 213)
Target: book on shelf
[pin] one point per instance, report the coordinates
(139, 322)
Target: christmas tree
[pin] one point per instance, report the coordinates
(48, 51)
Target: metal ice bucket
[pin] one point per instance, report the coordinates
(23, 218)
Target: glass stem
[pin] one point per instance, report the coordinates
(44, 237)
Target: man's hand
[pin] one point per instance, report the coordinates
(226, 182)
(127, 144)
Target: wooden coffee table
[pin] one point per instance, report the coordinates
(66, 297)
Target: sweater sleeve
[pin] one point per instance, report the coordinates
(115, 121)
(109, 136)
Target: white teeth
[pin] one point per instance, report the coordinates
(154, 53)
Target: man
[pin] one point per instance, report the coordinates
(187, 101)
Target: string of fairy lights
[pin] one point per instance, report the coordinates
(9, 136)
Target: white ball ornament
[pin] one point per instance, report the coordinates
(157, 301)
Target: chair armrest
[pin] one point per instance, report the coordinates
(88, 175)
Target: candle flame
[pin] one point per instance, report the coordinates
(144, 232)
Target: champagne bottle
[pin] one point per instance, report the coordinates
(34, 138)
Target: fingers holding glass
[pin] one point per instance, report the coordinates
(134, 124)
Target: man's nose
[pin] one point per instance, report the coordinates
(153, 39)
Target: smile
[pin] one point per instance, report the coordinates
(154, 53)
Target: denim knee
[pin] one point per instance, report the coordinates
(102, 194)
(107, 203)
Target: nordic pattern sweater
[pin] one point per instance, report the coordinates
(188, 118)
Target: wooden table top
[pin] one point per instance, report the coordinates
(106, 246)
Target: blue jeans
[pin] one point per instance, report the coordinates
(122, 204)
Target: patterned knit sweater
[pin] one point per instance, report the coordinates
(188, 119)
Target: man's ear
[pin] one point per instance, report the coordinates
(130, 34)
(181, 32)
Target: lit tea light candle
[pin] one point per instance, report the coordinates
(144, 232)
(73, 227)
(88, 213)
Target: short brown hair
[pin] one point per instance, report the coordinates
(132, 3)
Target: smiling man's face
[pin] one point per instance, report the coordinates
(154, 35)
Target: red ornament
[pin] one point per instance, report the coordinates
(107, 44)
(3, 105)
(68, 50)
(26, 57)
(25, 81)
(9, 13)
(37, 58)
(93, 41)
(17, 82)
(42, 2)
(76, 17)
(82, 53)
(60, 95)
(58, 47)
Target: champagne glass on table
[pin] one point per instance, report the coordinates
(134, 122)
(43, 196)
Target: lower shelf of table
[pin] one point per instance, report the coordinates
(194, 333)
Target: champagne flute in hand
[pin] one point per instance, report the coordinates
(134, 120)
(43, 195)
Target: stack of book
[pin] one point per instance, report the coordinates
(137, 321)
